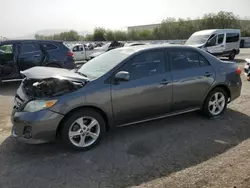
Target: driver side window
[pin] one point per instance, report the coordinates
(146, 64)
(212, 40)
(76, 49)
(6, 49)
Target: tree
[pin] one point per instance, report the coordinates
(120, 35)
(99, 34)
(109, 35)
(89, 37)
(169, 29)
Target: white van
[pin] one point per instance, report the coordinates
(219, 42)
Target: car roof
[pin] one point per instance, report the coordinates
(210, 31)
(157, 46)
(27, 40)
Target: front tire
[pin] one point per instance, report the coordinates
(215, 103)
(83, 129)
(232, 55)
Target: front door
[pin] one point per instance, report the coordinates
(30, 55)
(148, 93)
(192, 78)
(79, 53)
(216, 44)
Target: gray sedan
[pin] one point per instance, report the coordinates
(121, 87)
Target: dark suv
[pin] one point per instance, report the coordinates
(19, 55)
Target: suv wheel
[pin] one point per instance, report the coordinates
(232, 56)
(215, 103)
(83, 129)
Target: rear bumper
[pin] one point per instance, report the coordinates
(69, 63)
(235, 90)
(36, 127)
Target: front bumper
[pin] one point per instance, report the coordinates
(35, 127)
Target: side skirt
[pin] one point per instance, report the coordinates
(160, 117)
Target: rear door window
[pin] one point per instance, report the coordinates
(232, 37)
(28, 48)
(187, 59)
(48, 46)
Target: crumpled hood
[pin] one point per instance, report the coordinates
(51, 72)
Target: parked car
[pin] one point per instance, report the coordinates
(247, 68)
(133, 44)
(80, 53)
(219, 42)
(19, 55)
(121, 87)
(107, 47)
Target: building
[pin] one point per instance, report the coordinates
(143, 27)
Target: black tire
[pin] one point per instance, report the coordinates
(206, 106)
(232, 55)
(72, 118)
(54, 65)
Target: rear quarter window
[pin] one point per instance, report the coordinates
(49, 46)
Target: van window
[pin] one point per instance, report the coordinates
(232, 37)
(220, 38)
(212, 40)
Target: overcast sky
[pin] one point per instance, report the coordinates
(22, 17)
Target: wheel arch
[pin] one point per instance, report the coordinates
(99, 110)
(220, 85)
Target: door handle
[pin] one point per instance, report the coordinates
(164, 82)
(38, 55)
(207, 74)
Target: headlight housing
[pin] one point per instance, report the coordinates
(37, 105)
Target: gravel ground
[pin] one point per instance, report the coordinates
(181, 151)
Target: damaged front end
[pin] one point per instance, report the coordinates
(46, 82)
(49, 87)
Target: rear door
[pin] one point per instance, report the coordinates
(148, 93)
(192, 78)
(30, 55)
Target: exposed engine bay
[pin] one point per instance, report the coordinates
(50, 87)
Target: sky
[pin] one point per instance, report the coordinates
(24, 17)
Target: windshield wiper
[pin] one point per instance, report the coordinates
(81, 74)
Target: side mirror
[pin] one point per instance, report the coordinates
(122, 76)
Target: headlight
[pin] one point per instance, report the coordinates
(37, 105)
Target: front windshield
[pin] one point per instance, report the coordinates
(197, 39)
(100, 65)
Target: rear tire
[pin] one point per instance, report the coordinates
(215, 103)
(83, 130)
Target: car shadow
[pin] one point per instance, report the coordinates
(127, 156)
(9, 88)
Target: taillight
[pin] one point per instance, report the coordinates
(70, 54)
(238, 71)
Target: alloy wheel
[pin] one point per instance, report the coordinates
(216, 103)
(84, 131)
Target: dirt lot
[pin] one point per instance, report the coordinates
(181, 151)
